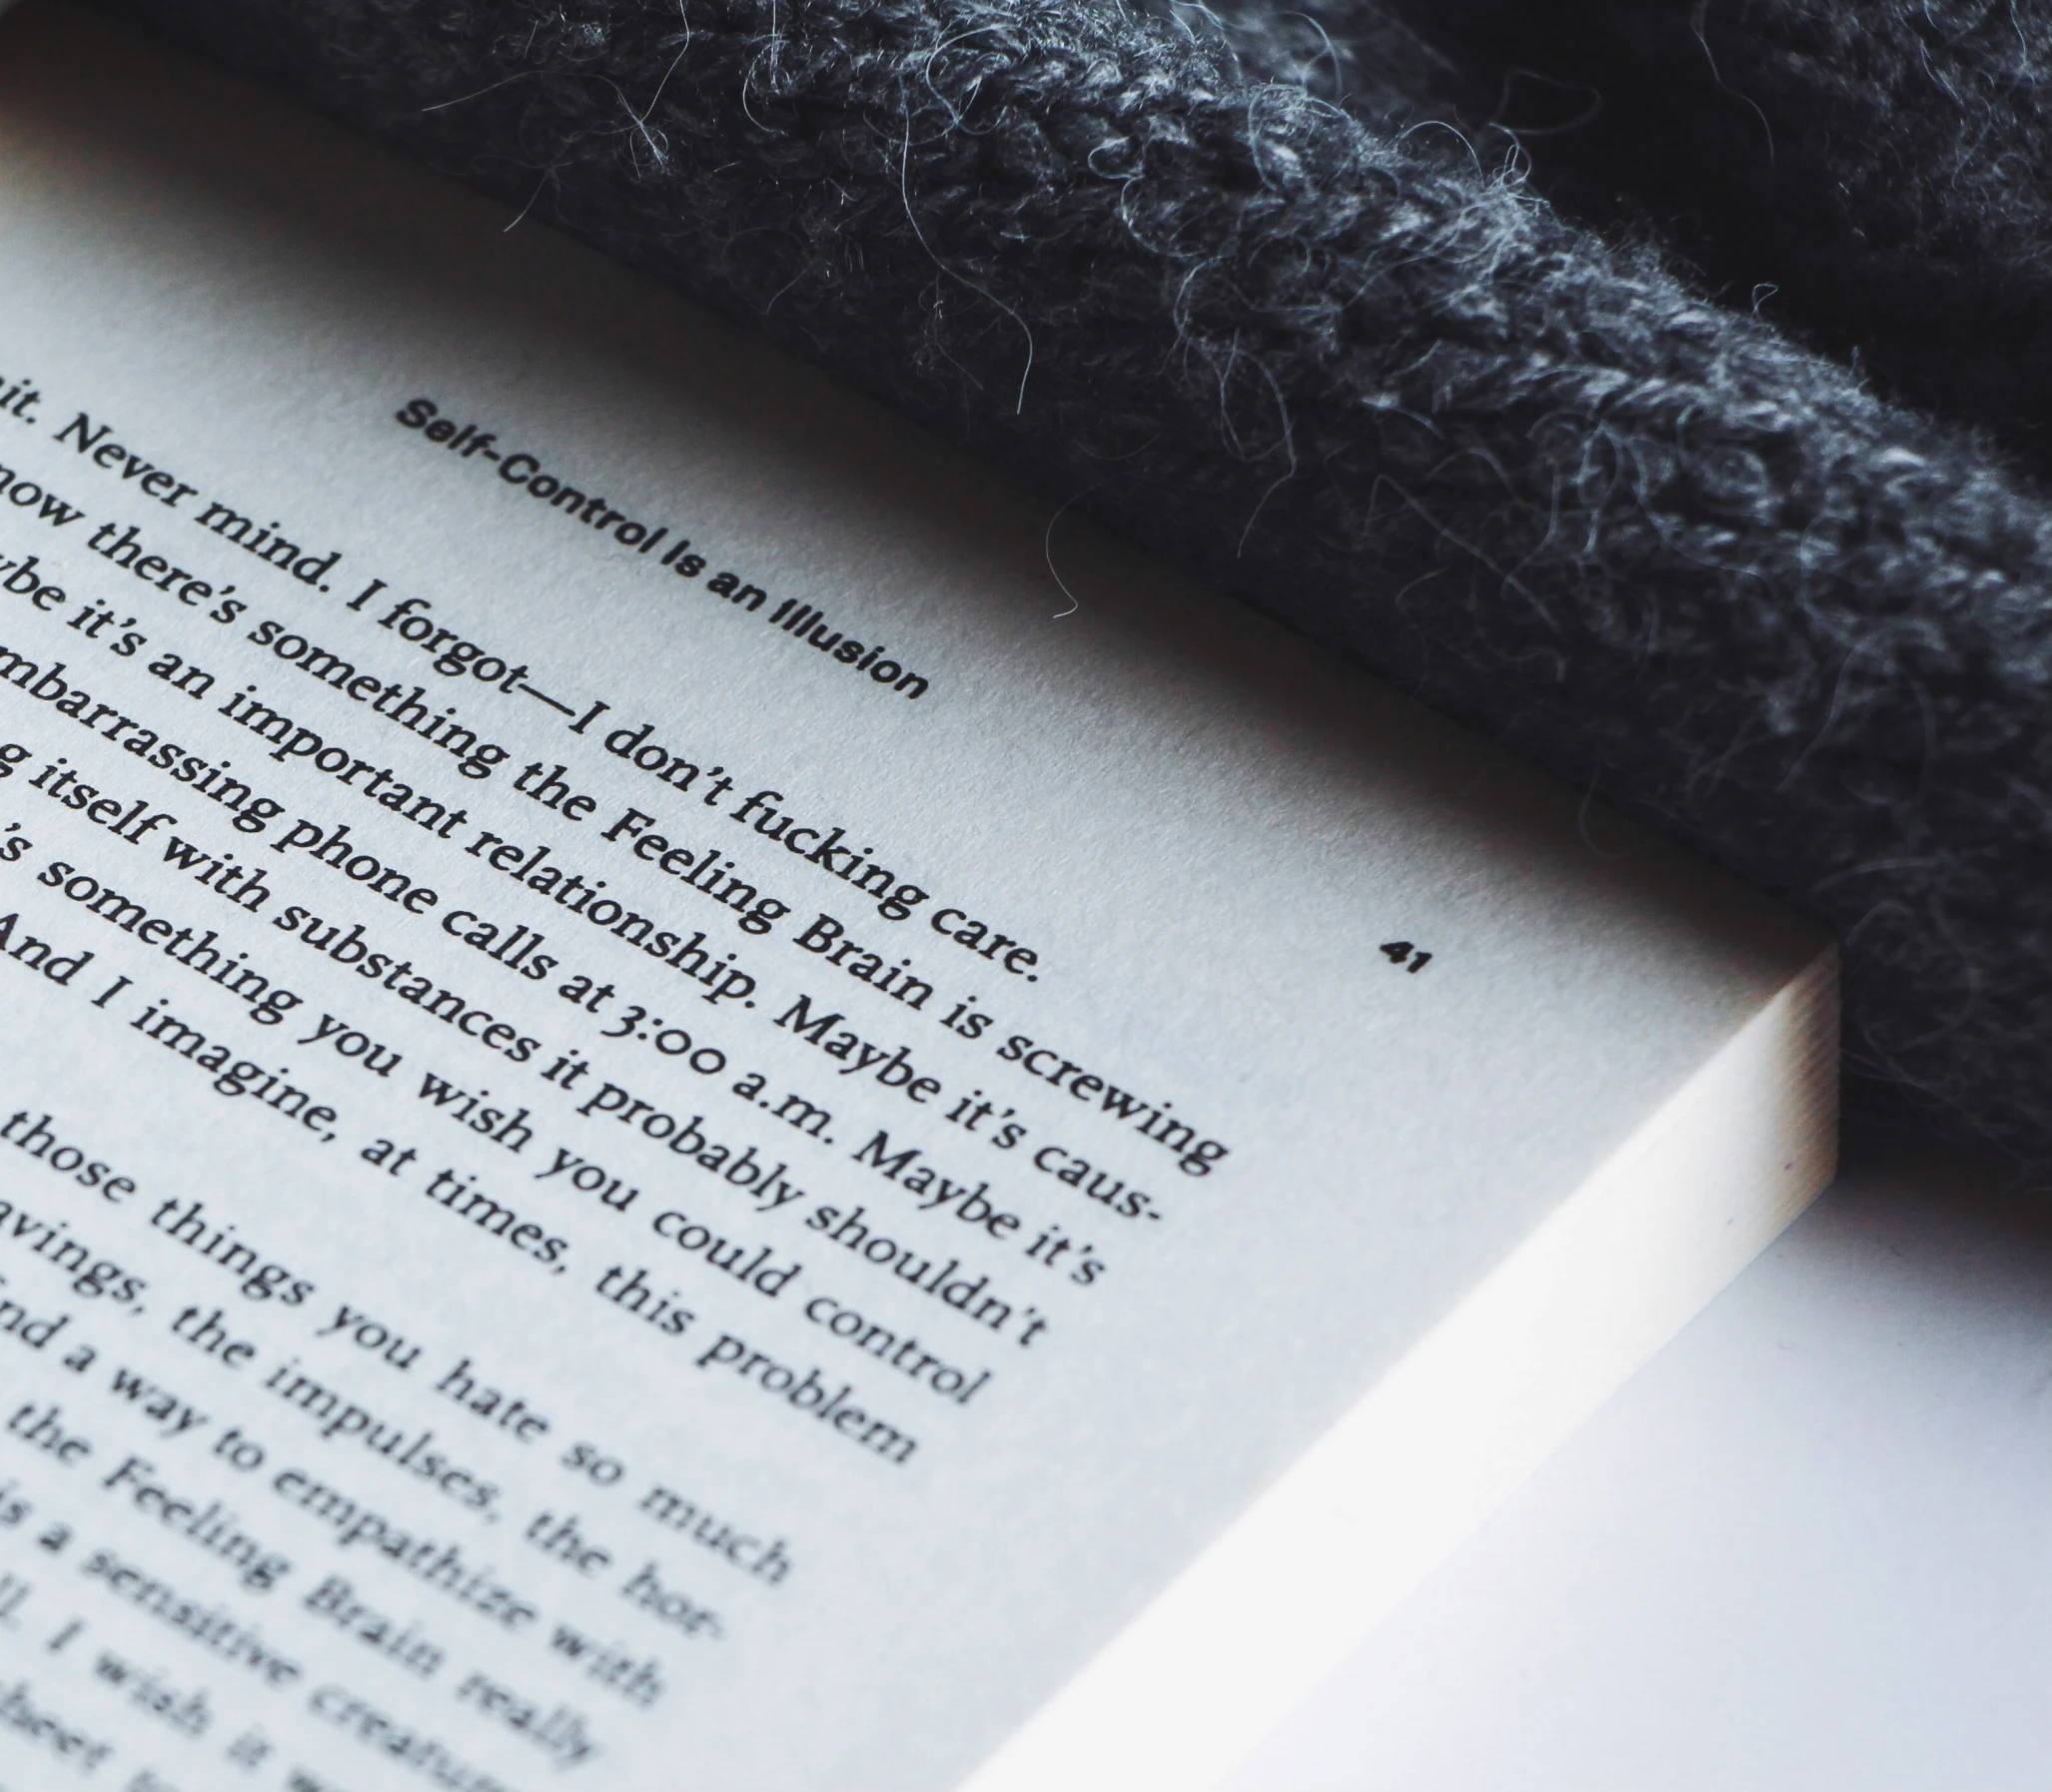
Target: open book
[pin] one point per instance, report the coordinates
(690, 1102)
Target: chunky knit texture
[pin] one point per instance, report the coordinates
(1351, 372)
(1878, 171)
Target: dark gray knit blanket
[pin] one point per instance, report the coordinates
(1224, 278)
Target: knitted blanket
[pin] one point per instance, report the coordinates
(1217, 276)
(1877, 170)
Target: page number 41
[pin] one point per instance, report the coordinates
(1403, 952)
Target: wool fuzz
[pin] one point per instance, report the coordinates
(1357, 378)
(1359, 54)
(1879, 170)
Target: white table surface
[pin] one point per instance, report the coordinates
(1807, 1548)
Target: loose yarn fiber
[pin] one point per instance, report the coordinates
(1341, 363)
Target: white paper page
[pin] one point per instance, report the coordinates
(761, 1313)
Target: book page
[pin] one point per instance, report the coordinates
(687, 1090)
